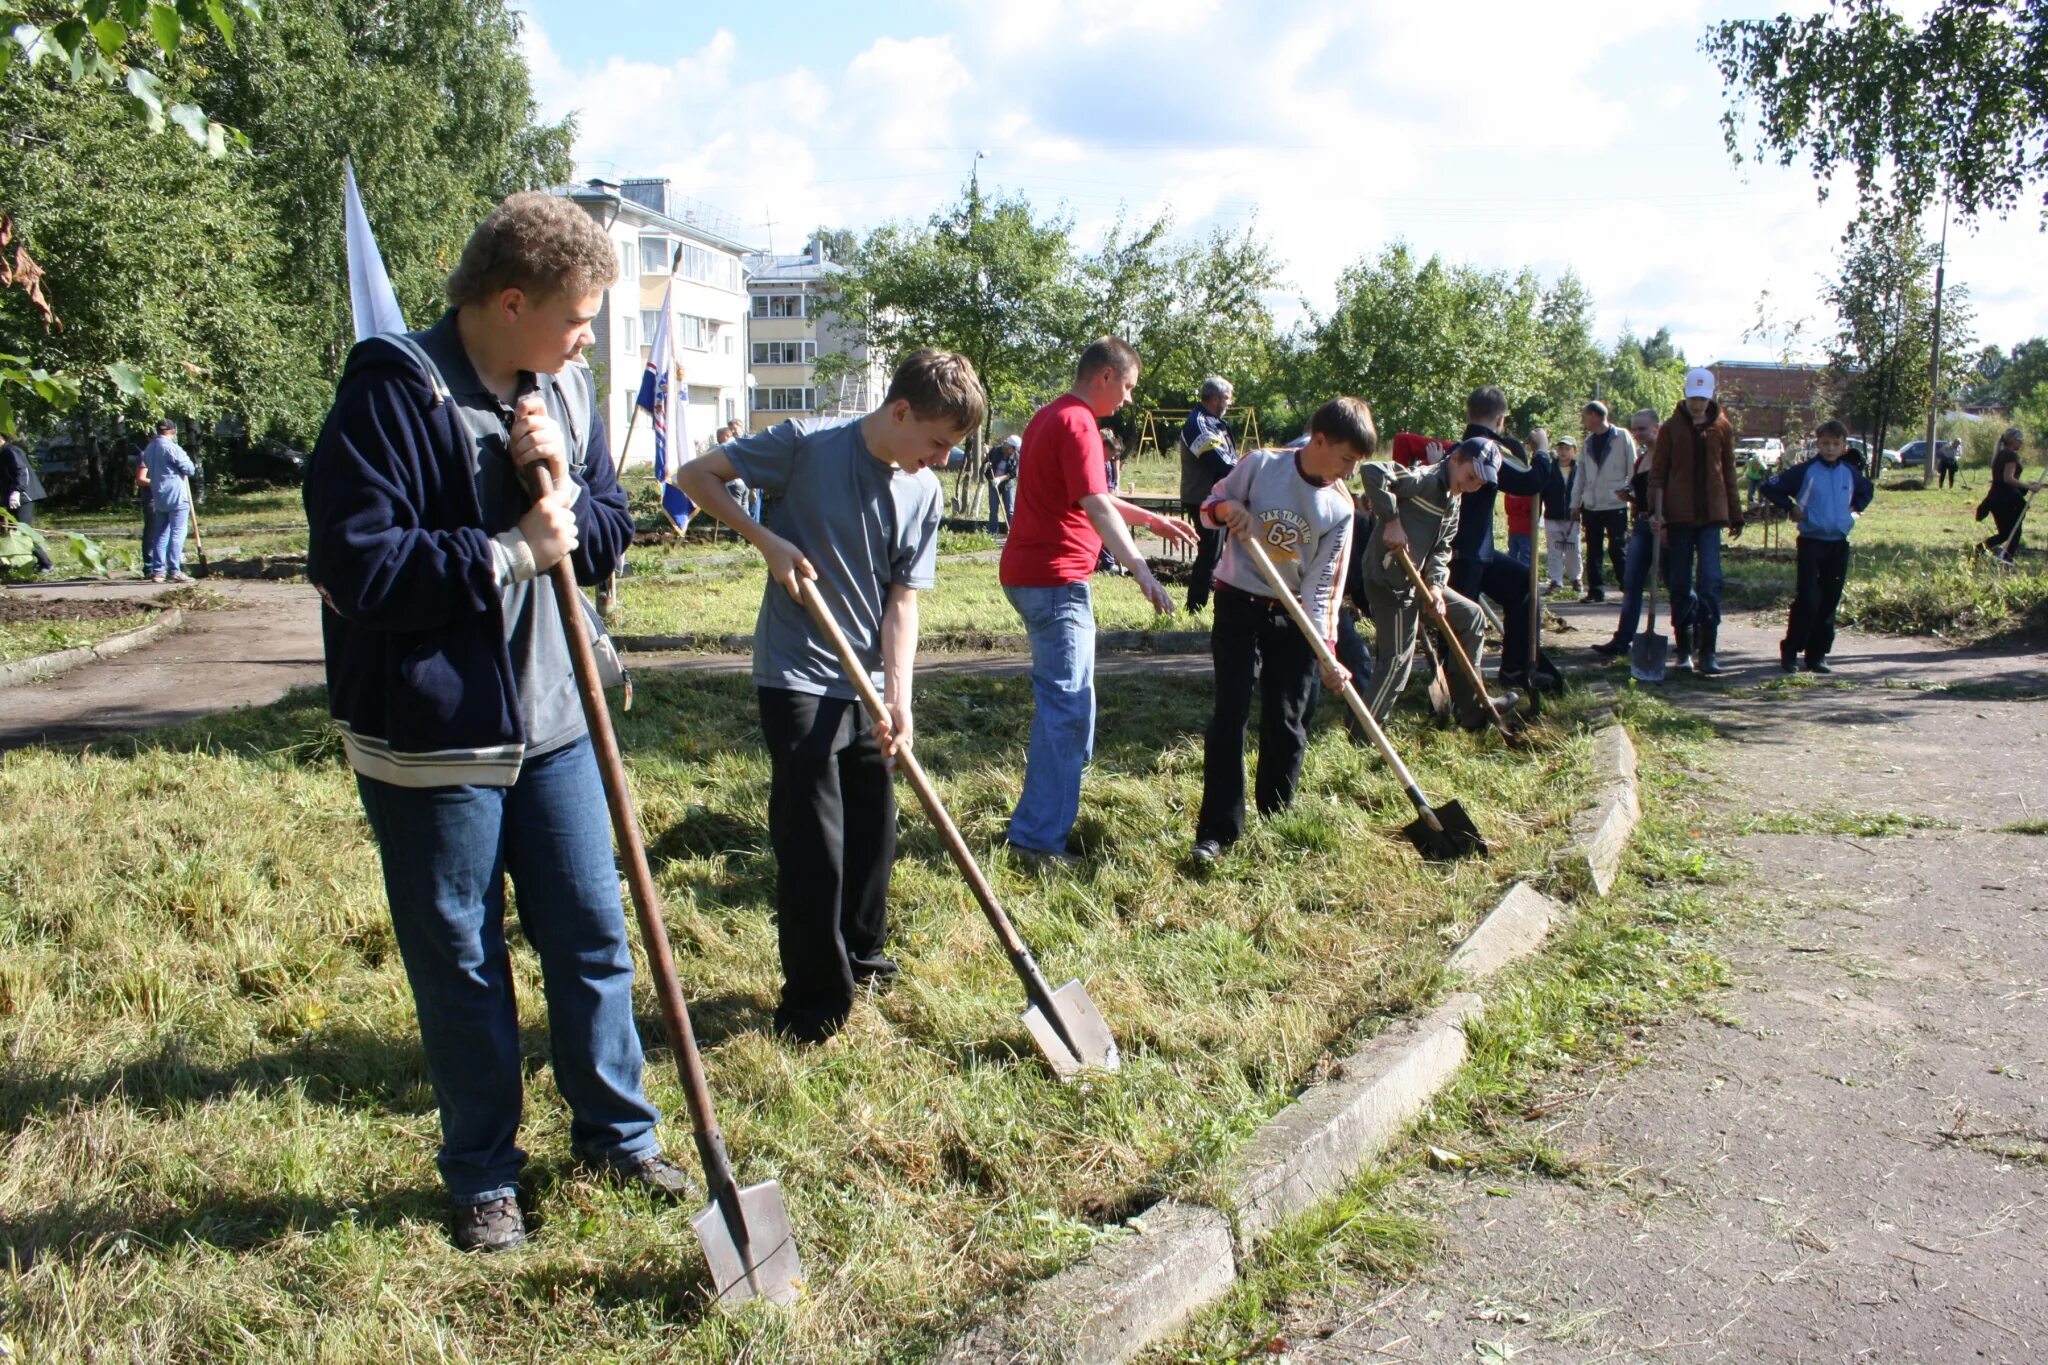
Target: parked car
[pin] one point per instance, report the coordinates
(268, 462)
(1915, 452)
(1764, 450)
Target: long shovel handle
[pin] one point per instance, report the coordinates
(1328, 660)
(1035, 984)
(1450, 639)
(675, 1015)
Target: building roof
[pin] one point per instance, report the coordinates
(700, 222)
(807, 267)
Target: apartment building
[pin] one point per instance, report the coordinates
(661, 236)
(788, 336)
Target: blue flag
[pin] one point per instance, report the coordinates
(662, 400)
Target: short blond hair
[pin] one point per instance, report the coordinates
(537, 242)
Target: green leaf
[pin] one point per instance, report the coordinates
(6, 415)
(131, 381)
(192, 119)
(149, 93)
(110, 34)
(166, 27)
(224, 20)
(132, 11)
(95, 10)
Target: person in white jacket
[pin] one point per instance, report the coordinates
(1605, 466)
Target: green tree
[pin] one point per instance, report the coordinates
(1955, 106)
(1883, 297)
(1643, 373)
(1414, 338)
(1572, 359)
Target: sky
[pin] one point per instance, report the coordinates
(1583, 135)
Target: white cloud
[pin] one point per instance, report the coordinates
(1494, 131)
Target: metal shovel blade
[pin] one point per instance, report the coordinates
(1093, 1050)
(1459, 838)
(775, 1273)
(1647, 657)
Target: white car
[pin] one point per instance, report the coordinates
(1766, 451)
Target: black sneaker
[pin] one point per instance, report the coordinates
(1205, 852)
(1788, 657)
(654, 1173)
(494, 1225)
(1042, 859)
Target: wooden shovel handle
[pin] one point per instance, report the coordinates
(1363, 713)
(1450, 638)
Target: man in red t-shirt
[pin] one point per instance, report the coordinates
(1065, 517)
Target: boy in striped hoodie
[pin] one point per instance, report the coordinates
(1295, 503)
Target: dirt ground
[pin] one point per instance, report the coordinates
(1846, 1157)
(18, 608)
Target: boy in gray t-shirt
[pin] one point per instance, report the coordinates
(852, 504)
(1295, 504)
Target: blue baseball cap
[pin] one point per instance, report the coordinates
(1484, 455)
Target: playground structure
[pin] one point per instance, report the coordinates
(1159, 429)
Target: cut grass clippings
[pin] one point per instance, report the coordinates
(216, 1135)
(1578, 1009)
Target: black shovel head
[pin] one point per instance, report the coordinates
(770, 1269)
(1093, 1048)
(1459, 838)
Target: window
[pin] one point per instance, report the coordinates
(778, 305)
(711, 267)
(785, 400)
(629, 262)
(629, 334)
(650, 323)
(732, 346)
(693, 332)
(732, 409)
(654, 254)
(785, 352)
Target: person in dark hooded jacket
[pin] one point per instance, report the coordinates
(1694, 496)
(1475, 566)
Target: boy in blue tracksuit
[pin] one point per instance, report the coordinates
(1828, 493)
(449, 676)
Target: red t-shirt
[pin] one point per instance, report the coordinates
(1519, 507)
(1410, 450)
(1052, 542)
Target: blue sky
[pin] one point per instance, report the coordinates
(1582, 135)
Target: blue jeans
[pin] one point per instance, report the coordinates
(446, 852)
(1695, 607)
(1520, 548)
(1635, 575)
(1061, 624)
(163, 549)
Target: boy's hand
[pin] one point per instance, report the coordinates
(1148, 583)
(550, 528)
(1173, 530)
(786, 563)
(1336, 679)
(894, 731)
(537, 437)
(1235, 516)
(1394, 536)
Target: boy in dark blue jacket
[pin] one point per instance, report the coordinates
(1829, 494)
(449, 676)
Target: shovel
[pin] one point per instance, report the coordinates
(1441, 833)
(1065, 1023)
(192, 520)
(1646, 653)
(748, 1245)
(1450, 640)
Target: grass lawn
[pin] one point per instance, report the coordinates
(216, 1136)
(238, 523)
(25, 639)
(1913, 573)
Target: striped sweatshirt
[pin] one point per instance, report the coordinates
(1305, 527)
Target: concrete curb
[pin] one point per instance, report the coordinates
(1142, 1284)
(943, 642)
(24, 671)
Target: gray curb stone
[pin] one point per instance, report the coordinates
(1134, 1290)
(1122, 1296)
(1515, 929)
(1311, 1149)
(24, 671)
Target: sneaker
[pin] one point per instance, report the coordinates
(156, 578)
(1039, 859)
(494, 1225)
(1205, 852)
(1551, 587)
(181, 577)
(1820, 665)
(1596, 594)
(1788, 657)
(653, 1173)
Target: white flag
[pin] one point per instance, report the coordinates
(370, 295)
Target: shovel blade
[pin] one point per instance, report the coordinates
(1646, 658)
(1093, 1050)
(770, 1269)
(1460, 838)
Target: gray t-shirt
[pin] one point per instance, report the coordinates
(1306, 528)
(863, 524)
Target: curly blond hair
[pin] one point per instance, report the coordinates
(538, 242)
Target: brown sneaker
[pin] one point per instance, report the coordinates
(655, 1174)
(494, 1225)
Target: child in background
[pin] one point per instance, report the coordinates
(1828, 494)
(1560, 525)
(1295, 504)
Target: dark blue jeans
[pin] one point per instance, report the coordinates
(1635, 575)
(446, 852)
(1695, 600)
